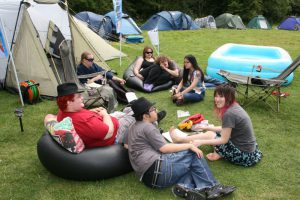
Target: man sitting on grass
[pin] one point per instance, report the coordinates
(159, 164)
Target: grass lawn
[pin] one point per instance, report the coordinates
(275, 177)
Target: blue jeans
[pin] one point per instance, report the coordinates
(193, 97)
(186, 169)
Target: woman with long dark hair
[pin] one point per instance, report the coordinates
(234, 140)
(191, 87)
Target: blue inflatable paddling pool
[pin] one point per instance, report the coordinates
(249, 60)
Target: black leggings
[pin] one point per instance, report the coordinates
(155, 75)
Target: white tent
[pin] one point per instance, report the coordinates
(33, 36)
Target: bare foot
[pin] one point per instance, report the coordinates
(175, 137)
(213, 156)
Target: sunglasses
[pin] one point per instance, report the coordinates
(90, 59)
(149, 52)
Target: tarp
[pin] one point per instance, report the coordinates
(228, 20)
(290, 23)
(259, 22)
(170, 20)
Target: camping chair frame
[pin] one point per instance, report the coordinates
(92, 100)
(253, 89)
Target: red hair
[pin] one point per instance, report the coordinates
(62, 101)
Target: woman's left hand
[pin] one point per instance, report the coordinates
(122, 81)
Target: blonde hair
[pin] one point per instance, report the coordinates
(84, 55)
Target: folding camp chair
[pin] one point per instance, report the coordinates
(253, 88)
(94, 99)
(70, 75)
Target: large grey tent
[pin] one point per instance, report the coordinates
(47, 44)
(170, 20)
(230, 21)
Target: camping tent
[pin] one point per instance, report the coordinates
(290, 23)
(228, 20)
(259, 22)
(93, 20)
(128, 26)
(105, 25)
(39, 40)
(170, 20)
(206, 22)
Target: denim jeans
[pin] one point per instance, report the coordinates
(186, 169)
(193, 97)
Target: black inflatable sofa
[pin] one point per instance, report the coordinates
(90, 164)
(134, 82)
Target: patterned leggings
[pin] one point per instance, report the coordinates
(231, 153)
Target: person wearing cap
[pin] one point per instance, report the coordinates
(159, 164)
(87, 66)
(95, 127)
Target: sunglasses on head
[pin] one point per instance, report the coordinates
(90, 59)
(149, 52)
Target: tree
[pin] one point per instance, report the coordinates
(275, 10)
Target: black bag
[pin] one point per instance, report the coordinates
(120, 91)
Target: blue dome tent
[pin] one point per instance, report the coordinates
(290, 23)
(170, 20)
(93, 20)
(105, 25)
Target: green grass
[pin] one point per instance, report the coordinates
(275, 177)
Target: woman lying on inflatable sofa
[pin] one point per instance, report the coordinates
(161, 72)
(144, 62)
(95, 127)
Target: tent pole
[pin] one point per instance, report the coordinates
(13, 38)
(120, 49)
(12, 61)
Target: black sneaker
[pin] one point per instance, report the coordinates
(219, 191)
(161, 130)
(161, 115)
(180, 191)
(196, 195)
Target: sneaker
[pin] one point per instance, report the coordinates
(219, 191)
(161, 130)
(148, 87)
(180, 191)
(161, 115)
(196, 195)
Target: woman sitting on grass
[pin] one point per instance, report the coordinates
(144, 62)
(235, 140)
(191, 87)
(163, 71)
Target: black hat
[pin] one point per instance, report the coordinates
(140, 106)
(67, 89)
